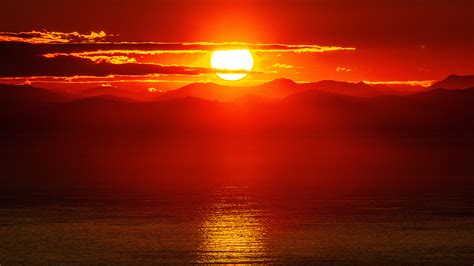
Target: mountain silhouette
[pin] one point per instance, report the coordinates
(113, 91)
(276, 89)
(25, 93)
(359, 89)
(104, 98)
(455, 82)
(318, 137)
(209, 91)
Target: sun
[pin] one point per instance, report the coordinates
(232, 60)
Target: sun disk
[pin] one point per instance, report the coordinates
(233, 60)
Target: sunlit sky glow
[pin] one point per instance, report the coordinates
(51, 45)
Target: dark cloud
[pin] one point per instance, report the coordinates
(24, 60)
(51, 37)
(61, 42)
(45, 53)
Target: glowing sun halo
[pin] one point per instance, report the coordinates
(232, 60)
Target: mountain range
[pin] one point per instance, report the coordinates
(278, 134)
(276, 89)
(454, 82)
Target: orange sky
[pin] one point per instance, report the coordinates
(346, 40)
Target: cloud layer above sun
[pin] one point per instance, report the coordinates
(95, 57)
(43, 53)
(51, 37)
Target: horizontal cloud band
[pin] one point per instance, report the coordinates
(24, 60)
(67, 54)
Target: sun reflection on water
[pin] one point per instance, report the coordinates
(233, 228)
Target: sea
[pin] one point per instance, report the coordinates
(237, 225)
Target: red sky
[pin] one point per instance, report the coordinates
(394, 40)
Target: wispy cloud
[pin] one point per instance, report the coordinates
(52, 37)
(423, 83)
(343, 69)
(285, 66)
(44, 53)
(64, 66)
(110, 79)
(95, 42)
(184, 48)
(111, 59)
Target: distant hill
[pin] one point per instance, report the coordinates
(209, 91)
(26, 93)
(112, 91)
(318, 137)
(275, 89)
(278, 88)
(104, 98)
(399, 89)
(455, 82)
(359, 89)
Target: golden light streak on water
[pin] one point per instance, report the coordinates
(233, 229)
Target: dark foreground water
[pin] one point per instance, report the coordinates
(237, 225)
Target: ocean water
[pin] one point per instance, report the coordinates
(237, 225)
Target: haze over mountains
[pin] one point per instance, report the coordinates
(454, 82)
(279, 88)
(276, 89)
(324, 136)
